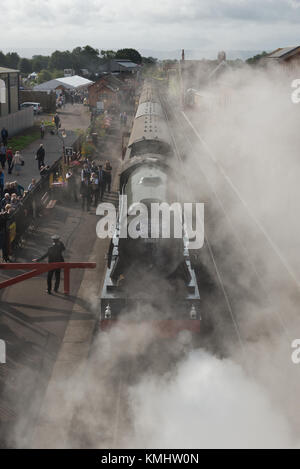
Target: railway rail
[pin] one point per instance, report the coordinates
(214, 284)
(186, 131)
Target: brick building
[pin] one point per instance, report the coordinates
(106, 93)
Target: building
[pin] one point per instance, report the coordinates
(122, 67)
(289, 56)
(14, 120)
(9, 91)
(106, 93)
(72, 83)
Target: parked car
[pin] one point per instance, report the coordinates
(37, 108)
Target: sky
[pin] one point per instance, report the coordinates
(154, 25)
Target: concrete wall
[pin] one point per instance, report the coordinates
(17, 121)
(10, 104)
(46, 99)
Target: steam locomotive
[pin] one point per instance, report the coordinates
(149, 279)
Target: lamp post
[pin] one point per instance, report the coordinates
(62, 138)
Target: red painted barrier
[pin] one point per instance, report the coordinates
(40, 268)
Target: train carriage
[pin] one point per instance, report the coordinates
(149, 271)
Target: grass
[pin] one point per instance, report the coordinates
(19, 142)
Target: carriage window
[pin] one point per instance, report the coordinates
(150, 181)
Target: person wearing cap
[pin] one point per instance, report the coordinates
(54, 254)
(40, 156)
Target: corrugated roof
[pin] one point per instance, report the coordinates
(47, 85)
(75, 81)
(8, 70)
(69, 82)
(126, 64)
(281, 52)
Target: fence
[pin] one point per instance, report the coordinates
(47, 99)
(18, 121)
(30, 207)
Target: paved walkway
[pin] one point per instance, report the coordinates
(72, 118)
(40, 329)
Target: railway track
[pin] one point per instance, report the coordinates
(213, 176)
(216, 290)
(177, 132)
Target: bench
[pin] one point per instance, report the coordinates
(47, 203)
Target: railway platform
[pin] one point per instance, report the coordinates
(33, 324)
(46, 333)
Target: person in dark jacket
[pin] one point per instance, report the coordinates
(57, 121)
(40, 156)
(102, 182)
(2, 180)
(86, 193)
(2, 155)
(71, 182)
(107, 171)
(54, 254)
(9, 158)
(4, 236)
(4, 136)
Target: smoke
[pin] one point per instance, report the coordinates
(141, 391)
(209, 403)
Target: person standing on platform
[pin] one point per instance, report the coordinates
(71, 181)
(40, 156)
(4, 136)
(107, 171)
(94, 188)
(85, 172)
(2, 155)
(2, 181)
(57, 122)
(42, 129)
(17, 162)
(102, 182)
(85, 193)
(54, 254)
(4, 236)
(9, 159)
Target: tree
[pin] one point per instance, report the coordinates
(2, 59)
(12, 60)
(40, 62)
(44, 75)
(256, 58)
(60, 60)
(129, 54)
(108, 54)
(25, 66)
(85, 57)
(149, 60)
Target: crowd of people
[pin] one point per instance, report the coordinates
(94, 181)
(7, 157)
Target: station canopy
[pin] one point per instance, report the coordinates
(72, 83)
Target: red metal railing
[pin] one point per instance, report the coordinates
(40, 268)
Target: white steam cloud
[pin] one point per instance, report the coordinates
(209, 403)
(172, 398)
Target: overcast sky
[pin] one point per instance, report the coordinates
(150, 24)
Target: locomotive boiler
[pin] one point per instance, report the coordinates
(149, 278)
